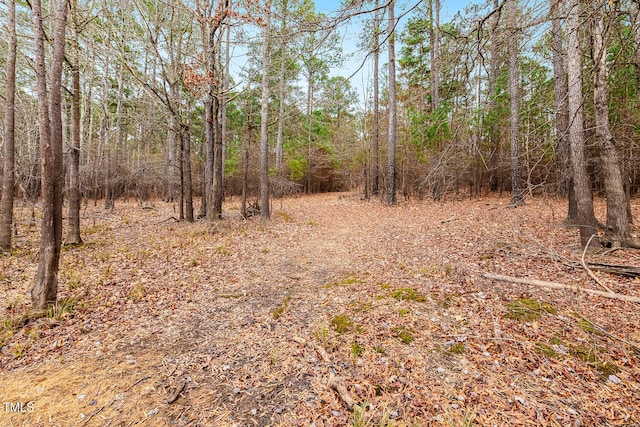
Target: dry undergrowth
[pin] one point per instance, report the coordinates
(253, 323)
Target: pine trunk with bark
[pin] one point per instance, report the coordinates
(264, 122)
(8, 176)
(617, 222)
(586, 220)
(73, 232)
(376, 104)
(517, 192)
(45, 288)
(391, 143)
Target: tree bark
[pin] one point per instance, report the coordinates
(376, 104)
(264, 122)
(73, 233)
(635, 29)
(586, 220)
(8, 176)
(517, 193)
(617, 221)
(391, 143)
(494, 137)
(45, 288)
(282, 85)
(186, 168)
(563, 167)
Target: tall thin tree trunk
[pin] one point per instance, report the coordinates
(264, 123)
(560, 92)
(281, 86)
(517, 193)
(245, 162)
(211, 118)
(617, 221)
(73, 233)
(391, 143)
(435, 64)
(376, 104)
(45, 288)
(635, 29)
(494, 137)
(224, 101)
(188, 185)
(584, 202)
(8, 176)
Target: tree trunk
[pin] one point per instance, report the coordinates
(391, 143)
(560, 92)
(211, 118)
(435, 65)
(584, 202)
(376, 105)
(73, 233)
(186, 168)
(45, 288)
(264, 123)
(8, 176)
(245, 162)
(281, 87)
(635, 29)
(617, 221)
(494, 160)
(517, 193)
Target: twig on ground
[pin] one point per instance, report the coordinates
(337, 384)
(553, 285)
(588, 270)
(321, 351)
(176, 393)
(136, 383)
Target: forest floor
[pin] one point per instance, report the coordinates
(250, 322)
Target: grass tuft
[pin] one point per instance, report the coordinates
(527, 309)
(408, 294)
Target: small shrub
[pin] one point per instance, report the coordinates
(61, 308)
(278, 311)
(457, 348)
(404, 335)
(356, 349)
(342, 323)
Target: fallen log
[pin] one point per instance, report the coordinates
(621, 270)
(554, 285)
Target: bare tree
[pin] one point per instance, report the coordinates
(8, 177)
(45, 288)
(376, 102)
(264, 122)
(517, 194)
(617, 220)
(391, 143)
(586, 220)
(73, 233)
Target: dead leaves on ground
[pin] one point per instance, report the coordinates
(334, 301)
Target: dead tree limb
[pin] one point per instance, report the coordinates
(554, 285)
(588, 270)
(337, 384)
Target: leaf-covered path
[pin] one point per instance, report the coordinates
(197, 324)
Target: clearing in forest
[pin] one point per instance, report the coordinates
(334, 302)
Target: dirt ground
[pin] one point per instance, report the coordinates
(247, 322)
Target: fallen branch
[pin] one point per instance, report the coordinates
(176, 392)
(321, 351)
(337, 384)
(621, 270)
(586, 267)
(554, 285)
